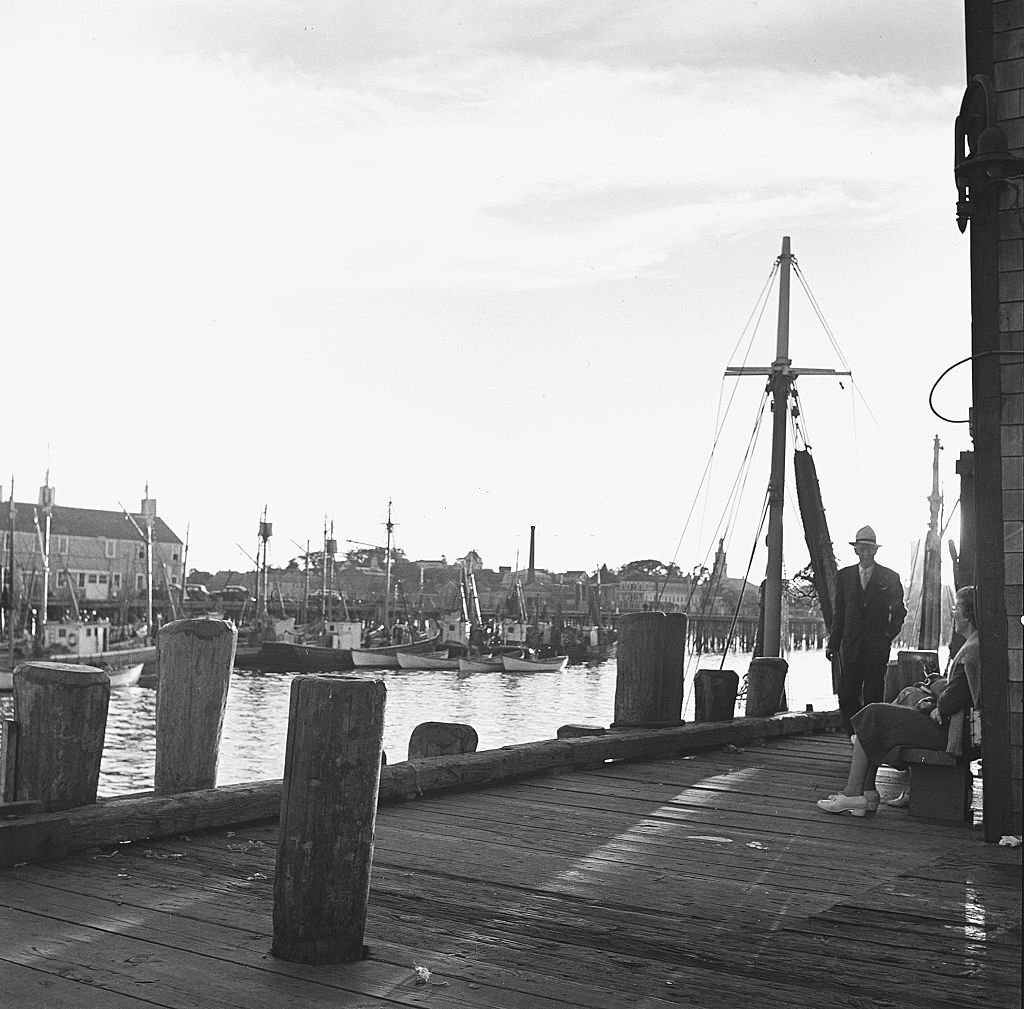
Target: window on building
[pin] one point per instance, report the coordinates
(81, 579)
(92, 579)
(141, 554)
(103, 579)
(63, 544)
(140, 582)
(62, 579)
(116, 580)
(174, 555)
(110, 548)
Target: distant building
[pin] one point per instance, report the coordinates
(97, 559)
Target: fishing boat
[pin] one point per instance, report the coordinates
(120, 676)
(427, 660)
(521, 664)
(296, 657)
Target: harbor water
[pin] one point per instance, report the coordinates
(503, 708)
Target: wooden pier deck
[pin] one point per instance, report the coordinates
(709, 880)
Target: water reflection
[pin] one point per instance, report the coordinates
(503, 708)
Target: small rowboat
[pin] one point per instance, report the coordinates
(516, 664)
(426, 660)
(386, 656)
(481, 664)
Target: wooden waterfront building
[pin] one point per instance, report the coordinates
(989, 167)
(97, 561)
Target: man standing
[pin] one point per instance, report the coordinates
(867, 614)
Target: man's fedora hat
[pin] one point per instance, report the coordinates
(865, 535)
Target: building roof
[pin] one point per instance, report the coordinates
(90, 522)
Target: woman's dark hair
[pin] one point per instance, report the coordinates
(965, 597)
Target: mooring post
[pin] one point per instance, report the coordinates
(649, 670)
(766, 687)
(714, 695)
(328, 810)
(194, 660)
(61, 711)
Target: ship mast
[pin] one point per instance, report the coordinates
(780, 381)
(389, 525)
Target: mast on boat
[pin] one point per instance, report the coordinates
(931, 569)
(780, 374)
(389, 525)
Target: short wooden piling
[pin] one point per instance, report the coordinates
(194, 661)
(328, 811)
(766, 687)
(649, 670)
(439, 739)
(714, 695)
(61, 711)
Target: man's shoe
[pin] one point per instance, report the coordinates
(855, 805)
(873, 800)
(901, 801)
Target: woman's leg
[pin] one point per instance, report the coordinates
(862, 772)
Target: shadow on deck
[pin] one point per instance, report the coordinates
(709, 880)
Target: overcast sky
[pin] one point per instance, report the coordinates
(488, 260)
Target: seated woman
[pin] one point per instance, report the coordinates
(882, 727)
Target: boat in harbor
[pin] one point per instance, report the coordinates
(84, 643)
(386, 656)
(120, 676)
(427, 660)
(481, 664)
(521, 664)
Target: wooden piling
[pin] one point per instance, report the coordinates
(328, 809)
(714, 694)
(438, 739)
(61, 711)
(649, 670)
(766, 687)
(194, 661)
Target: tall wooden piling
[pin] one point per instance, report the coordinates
(61, 711)
(328, 811)
(766, 687)
(194, 661)
(649, 670)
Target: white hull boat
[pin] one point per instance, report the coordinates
(514, 664)
(426, 660)
(120, 676)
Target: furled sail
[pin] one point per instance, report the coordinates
(819, 543)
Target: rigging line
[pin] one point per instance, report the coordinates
(821, 316)
(750, 564)
(956, 364)
(704, 476)
(720, 419)
(734, 497)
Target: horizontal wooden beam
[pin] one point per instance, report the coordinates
(44, 837)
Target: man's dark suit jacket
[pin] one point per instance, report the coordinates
(864, 621)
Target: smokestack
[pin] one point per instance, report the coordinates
(529, 573)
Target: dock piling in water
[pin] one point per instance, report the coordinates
(194, 661)
(328, 811)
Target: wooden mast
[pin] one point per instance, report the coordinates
(780, 380)
(389, 525)
(931, 570)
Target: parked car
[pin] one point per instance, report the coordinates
(197, 593)
(235, 594)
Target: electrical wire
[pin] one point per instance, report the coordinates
(956, 364)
